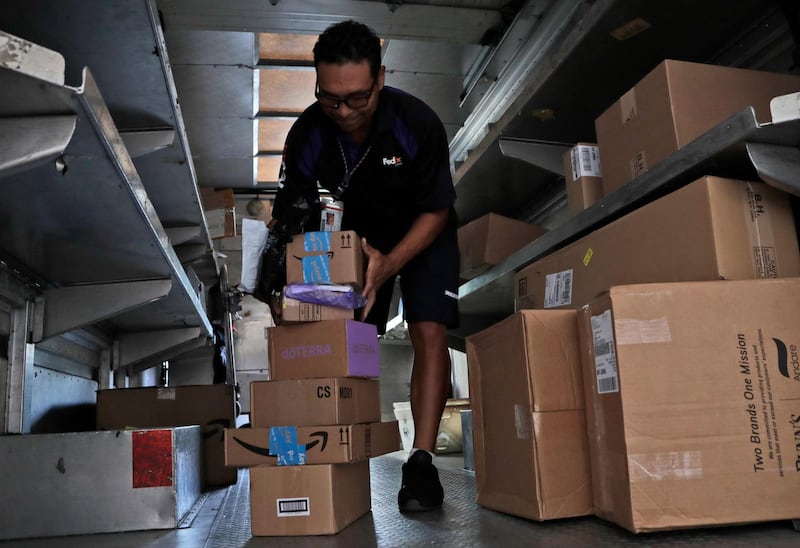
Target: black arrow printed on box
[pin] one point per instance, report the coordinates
(344, 436)
(346, 240)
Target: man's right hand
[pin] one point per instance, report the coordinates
(275, 308)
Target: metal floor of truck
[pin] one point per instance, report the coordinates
(222, 520)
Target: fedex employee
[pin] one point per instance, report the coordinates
(384, 154)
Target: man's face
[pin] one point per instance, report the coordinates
(351, 81)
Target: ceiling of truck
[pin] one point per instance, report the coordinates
(494, 70)
(514, 81)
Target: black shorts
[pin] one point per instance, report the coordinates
(428, 284)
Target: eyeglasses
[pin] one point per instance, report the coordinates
(356, 100)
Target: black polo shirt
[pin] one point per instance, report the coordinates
(401, 171)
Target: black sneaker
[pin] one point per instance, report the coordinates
(421, 489)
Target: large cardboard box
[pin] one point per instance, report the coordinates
(211, 406)
(335, 348)
(488, 240)
(693, 402)
(325, 258)
(528, 426)
(713, 228)
(287, 445)
(309, 402)
(294, 311)
(318, 499)
(672, 106)
(583, 176)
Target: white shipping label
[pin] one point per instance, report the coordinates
(605, 354)
(522, 421)
(585, 160)
(300, 506)
(558, 289)
(759, 231)
(785, 107)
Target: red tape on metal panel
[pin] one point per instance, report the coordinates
(152, 458)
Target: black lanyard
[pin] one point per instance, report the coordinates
(348, 173)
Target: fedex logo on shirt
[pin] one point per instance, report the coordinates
(393, 161)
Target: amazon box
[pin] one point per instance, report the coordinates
(673, 105)
(583, 176)
(317, 499)
(325, 258)
(310, 402)
(211, 406)
(294, 445)
(693, 402)
(488, 240)
(710, 229)
(527, 398)
(335, 348)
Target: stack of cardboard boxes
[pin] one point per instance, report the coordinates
(317, 420)
(663, 345)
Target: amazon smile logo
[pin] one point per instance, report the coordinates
(788, 360)
(322, 441)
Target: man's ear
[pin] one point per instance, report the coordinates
(381, 77)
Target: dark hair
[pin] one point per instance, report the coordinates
(349, 41)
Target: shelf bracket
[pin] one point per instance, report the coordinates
(190, 253)
(28, 141)
(776, 165)
(65, 308)
(139, 142)
(544, 154)
(151, 347)
(181, 234)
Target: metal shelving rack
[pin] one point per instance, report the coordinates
(101, 215)
(81, 221)
(739, 147)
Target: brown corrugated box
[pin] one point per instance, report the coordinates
(325, 258)
(488, 240)
(220, 212)
(335, 348)
(294, 311)
(672, 106)
(693, 402)
(583, 176)
(211, 406)
(713, 228)
(529, 432)
(326, 444)
(309, 402)
(317, 499)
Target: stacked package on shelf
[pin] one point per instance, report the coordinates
(686, 314)
(317, 420)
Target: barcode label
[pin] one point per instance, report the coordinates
(602, 348)
(294, 507)
(605, 353)
(760, 232)
(585, 160)
(607, 385)
(558, 289)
